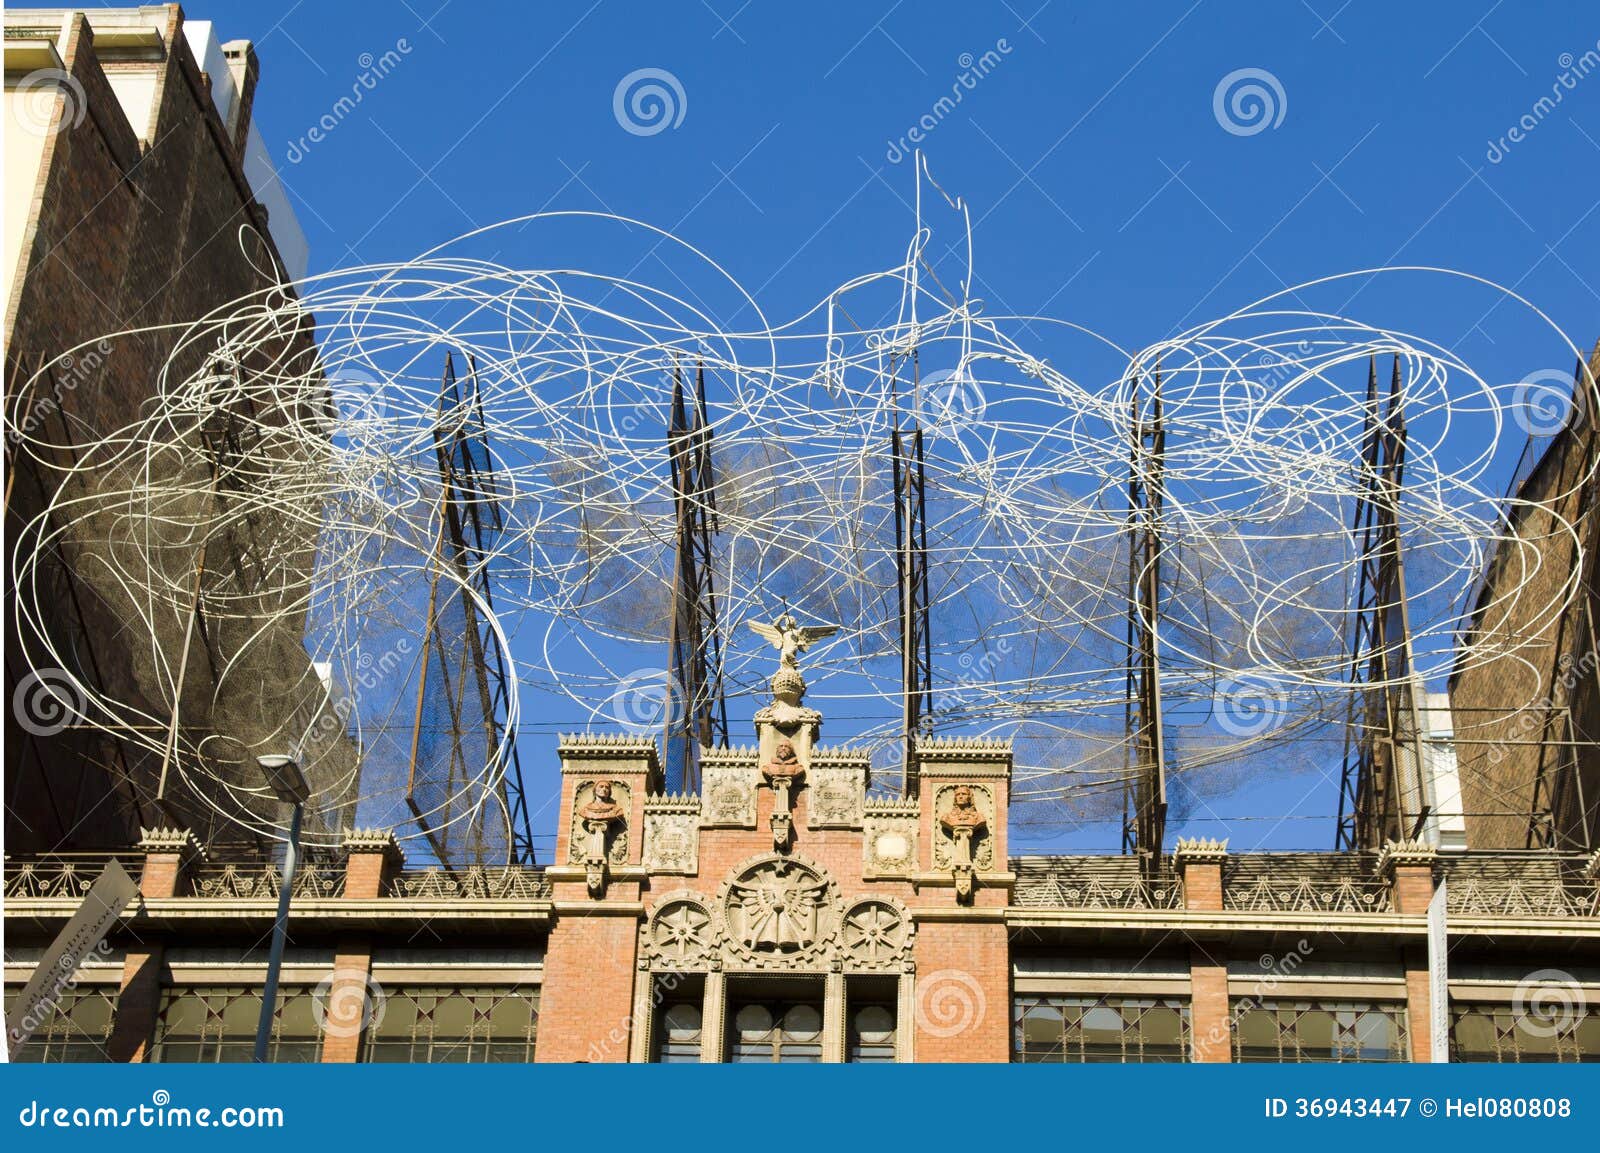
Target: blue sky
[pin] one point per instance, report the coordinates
(1105, 188)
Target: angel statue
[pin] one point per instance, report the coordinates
(790, 638)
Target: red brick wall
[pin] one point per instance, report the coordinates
(587, 1000)
(118, 238)
(962, 1005)
(1209, 1022)
(1202, 886)
(1418, 1005)
(1412, 888)
(345, 1009)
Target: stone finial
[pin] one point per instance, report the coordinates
(374, 841)
(1199, 850)
(179, 841)
(1393, 853)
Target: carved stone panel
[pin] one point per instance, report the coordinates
(681, 934)
(779, 912)
(982, 842)
(876, 934)
(889, 841)
(617, 832)
(729, 796)
(834, 798)
(672, 838)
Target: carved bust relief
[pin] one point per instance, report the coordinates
(600, 813)
(965, 812)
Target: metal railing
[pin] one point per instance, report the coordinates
(62, 875)
(474, 883)
(1093, 883)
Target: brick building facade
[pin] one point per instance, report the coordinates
(787, 912)
(136, 193)
(1526, 708)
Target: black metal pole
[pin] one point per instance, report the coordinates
(280, 931)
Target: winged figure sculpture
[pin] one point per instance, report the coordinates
(790, 638)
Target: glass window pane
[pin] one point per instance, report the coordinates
(803, 1023)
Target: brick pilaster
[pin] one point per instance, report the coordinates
(1210, 1017)
(168, 853)
(586, 1009)
(961, 997)
(1408, 867)
(371, 860)
(1419, 1017)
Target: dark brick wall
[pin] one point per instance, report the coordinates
(1506, 706)
(124, 235)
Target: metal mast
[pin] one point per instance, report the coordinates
(696, 712)
(1383, 758)
(911, 583)
(470, 518)
(1145, 794)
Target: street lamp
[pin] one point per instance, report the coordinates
(289, 784)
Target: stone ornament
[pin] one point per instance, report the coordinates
(876, 934)
(783, 774)
(599, 829)
(774, 913)
(672, 834)
(729, 794)
(681, 933)
(790, 638)
(889, 839)
(962, 843)
(835, 797)
(778, 911)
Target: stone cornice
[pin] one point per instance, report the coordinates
(1396, 853)
(180, 841)
(1199, 850)
(579, 750)
(963, 750)
(673, 803)
(890, 807)
(736, 755)
(373, 841)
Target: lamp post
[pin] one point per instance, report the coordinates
(289, 783)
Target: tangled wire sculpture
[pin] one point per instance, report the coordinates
(316, 467)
